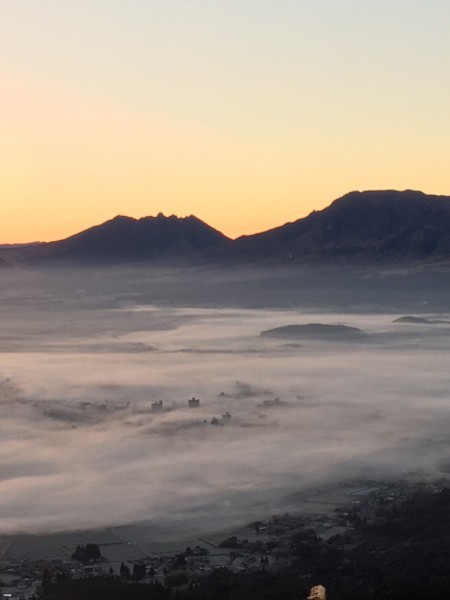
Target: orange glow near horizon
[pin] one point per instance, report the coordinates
(90, 159)
(245, 119)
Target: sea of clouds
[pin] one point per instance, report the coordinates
(82, 361)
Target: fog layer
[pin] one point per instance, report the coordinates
(84, 356)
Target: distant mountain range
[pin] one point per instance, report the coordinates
(361, 227)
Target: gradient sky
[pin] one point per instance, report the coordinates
(246, 113)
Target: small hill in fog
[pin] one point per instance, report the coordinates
(420, 320)
(320, 331)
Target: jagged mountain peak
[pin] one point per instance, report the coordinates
(387, 226)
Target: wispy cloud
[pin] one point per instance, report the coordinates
(80, 445)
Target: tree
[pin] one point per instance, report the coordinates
(46, 580)
(125, 571)
(138, 571)
(87, 554)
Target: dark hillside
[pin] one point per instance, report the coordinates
(387, 226)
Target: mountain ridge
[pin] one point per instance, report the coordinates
(126, 239)
(375, 226)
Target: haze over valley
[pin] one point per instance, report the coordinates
(224, 300)
(85, 354)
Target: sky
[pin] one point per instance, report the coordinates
(246, 113)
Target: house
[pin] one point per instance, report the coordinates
(199, 551)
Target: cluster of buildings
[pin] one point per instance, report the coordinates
(264, 545)
(20, 580)
(157, 407)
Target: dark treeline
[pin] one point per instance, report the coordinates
(89, 553)
(402, 554)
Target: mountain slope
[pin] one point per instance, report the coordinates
(365, 226)
(125, 239)
(369, 227)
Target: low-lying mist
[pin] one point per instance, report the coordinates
(85, 355)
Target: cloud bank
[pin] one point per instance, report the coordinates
(81, 445)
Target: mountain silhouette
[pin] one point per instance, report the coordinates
(376, 226)
(124, 239)
(371, 227)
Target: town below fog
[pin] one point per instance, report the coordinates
(205, 400)
(328, 518)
